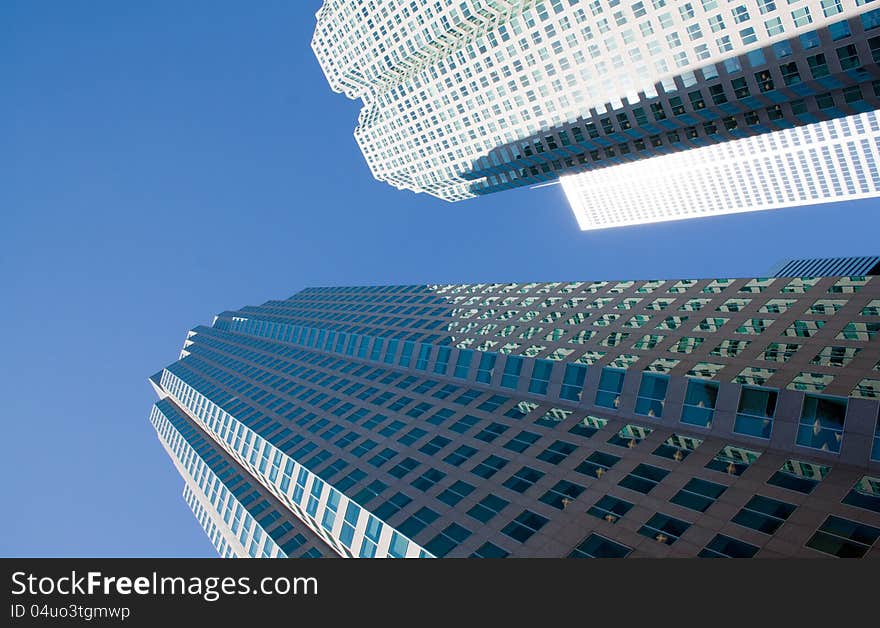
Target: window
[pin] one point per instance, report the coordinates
(663, 528)
(489, 467)
(447, 540)
(610, 508)
(521, 441)
(434, 445)
(573, 382)
(464, 424)
(644, 478)
(402, 468)
(510, 377)
(486, 368)
(553, 417)
(802, 17)
(491, 432)
(557, 452)
(428, 479)
(630, 435)
(597, 464)
(821, 423)
(733, 460)
(392, 506)
(588, 426)
(677, 447)
(460, 455)
(486, 509)
(799, 476)
(541, 377)
(595, 546)
(493, 403)
(523, 479)
(764, 514)
(843, 538)
(488, 550)
(652, 395)
(865, 494)
(562, 494)
(455, 493)
(463, 363)
(418, 522)
(727, 547)
(698, 494)
(442, 362)
(524, 526)
(610, 386)
(754, 417)
(699, 403)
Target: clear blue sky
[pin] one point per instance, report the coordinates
(161, 162)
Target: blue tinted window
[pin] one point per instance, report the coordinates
(754, 416)
(699, 403)
(463, 363)
(652, 394)
(424, 356)
(821, 423)
(610, 385)
(442, 360)
(510, 377)
(573, 382)
(486, 367)
(541, 377)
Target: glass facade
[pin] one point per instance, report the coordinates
(379, 421)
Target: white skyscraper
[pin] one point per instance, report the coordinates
(834, 160)
(475, 96)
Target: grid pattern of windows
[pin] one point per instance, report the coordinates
(462, 99)
(368, 455)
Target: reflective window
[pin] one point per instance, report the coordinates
(487, 508)
(728, 547)
(489, 550)
(677, 447)
(541, 374)
(821, 423)
(754, 416)
(652, 395)
(865, 494)
(489, 467)
(524, 526)
(597, 463)
(733, 460)
(562, 494)
(699, 403)
(523, 479)
(644, 478)
(698, 494)
(573, 382)
(595, 546)
(630, 435)
(764, 514)
(588, 426)
(486, 367)
(610, 508)
(844, 538)
(800, 476)
(663, 528)
(610, 386)
(512, 369)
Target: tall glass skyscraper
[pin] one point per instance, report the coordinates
(475, 96)
(685, 417)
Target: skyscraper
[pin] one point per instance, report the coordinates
(710, 417)
(472, 97)
(834, 160)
